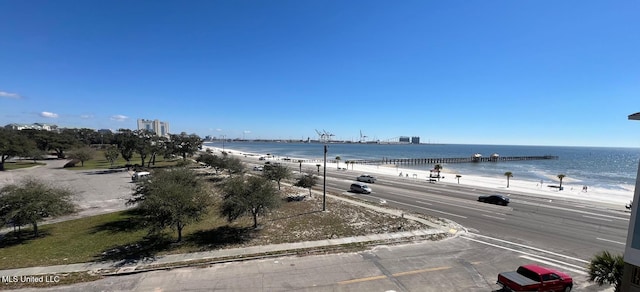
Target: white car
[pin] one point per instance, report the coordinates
(366, 178)
(257, 168)
(140, 175)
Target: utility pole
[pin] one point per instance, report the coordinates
(324, 183)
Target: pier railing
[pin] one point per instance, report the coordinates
(418, 161)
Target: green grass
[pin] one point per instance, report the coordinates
(118, 236)
(20, 164)
(100, 162)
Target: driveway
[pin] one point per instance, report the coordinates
(97, 191)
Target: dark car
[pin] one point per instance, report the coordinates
(494, 199)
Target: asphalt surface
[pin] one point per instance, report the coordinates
(97, 191)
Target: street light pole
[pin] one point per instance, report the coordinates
(324, 183)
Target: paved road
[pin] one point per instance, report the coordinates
(98, 191)
(457, 264)
(573, 230)
(577, 229)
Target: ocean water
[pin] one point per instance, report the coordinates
(605, 167)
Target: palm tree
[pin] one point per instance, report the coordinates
(508, 174)
(458, 177)
(338, 161)
(438, 167)
(560, 177)
(606, 268)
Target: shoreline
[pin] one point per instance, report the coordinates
(572, 189)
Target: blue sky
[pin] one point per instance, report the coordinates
(465, 72)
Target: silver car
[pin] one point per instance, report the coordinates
(360, 188)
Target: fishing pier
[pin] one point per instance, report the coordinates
(471, 159)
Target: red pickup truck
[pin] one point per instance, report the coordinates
(535, 278)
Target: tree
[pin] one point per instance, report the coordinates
(254, 196)
(185, 144)
(172, 198)
(111, 154)
(126, 141)
(12, 144)
(63, 141)
(36, 154)
(509, 175)
(212, 160)
(605, 268)
(277, 173)
(233, 165)
(438, 167)
(158, 146)
(458, 177)
(31, 201)
(142, 145)
(307, 180)
(338, 161)
(83, 154)
(560, 177)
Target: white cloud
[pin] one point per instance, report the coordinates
(247, 132)
(48, 115)
(10, 95)
(119, 118)
(219, 130)
(86, 116)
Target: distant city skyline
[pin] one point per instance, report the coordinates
(502, 72)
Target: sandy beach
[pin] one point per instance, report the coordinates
(571, 189)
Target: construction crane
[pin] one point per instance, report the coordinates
(327, 135)
(321, 136)
(363, 138)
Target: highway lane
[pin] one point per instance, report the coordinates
(571, 229)
(576, 229)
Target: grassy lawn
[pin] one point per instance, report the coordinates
(118, 236)
(100, 162)
(20, 164)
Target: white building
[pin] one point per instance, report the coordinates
(156, 126)
(35, 126)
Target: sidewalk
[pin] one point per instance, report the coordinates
(126, 267)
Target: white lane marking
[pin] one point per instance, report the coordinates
(433, 210)
(571, 210)
(522, 252)
(421, 202)
(549, 263)
(494, 217)
(609, 240)
(531, 247)
(597, 218)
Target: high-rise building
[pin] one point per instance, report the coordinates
(156, 126)
(415, 140)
